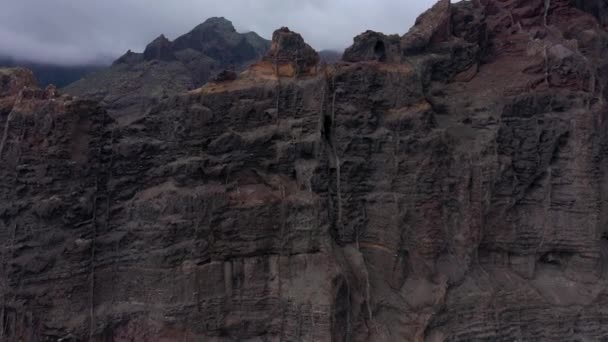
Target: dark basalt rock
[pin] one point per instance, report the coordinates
(457, 195)
(289, 49)
(468, 23)
(160, 49)
(374, 46)
(218, 39)
(433, 26)
(226, 76)
(598, 8)
(129, 57)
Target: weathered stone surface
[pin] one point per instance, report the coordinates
(290, 55)
(225, 76)
(433, 26)
(468, 23)
(12, 81)
(374, 46)
(369, 201)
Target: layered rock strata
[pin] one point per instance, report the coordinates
(452, 191)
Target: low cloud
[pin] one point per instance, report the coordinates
(89, 31)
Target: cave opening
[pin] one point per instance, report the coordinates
(327, 128)
(380, 51)
(556, 258)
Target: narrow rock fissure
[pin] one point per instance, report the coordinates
(546, 13)
(102, 179)
(5, 134)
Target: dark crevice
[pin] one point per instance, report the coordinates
(341, 315)
(562, 141)
(327, 129)
(380, 51)
(334, 198)
(604, 253)
(556, 258)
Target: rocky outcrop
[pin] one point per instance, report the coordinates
(433, 26)
(434, 31)
(12, 81)
(374, 46)
(129, 58)
(136, 81)
(226, 76)
(217, 39)
(160, 49)
(455, 195)
(290, 55)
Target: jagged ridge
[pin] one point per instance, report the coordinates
(136, 80)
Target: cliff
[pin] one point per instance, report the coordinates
(444, 185)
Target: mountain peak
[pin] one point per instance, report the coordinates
(288, 44)
(160, 48)
(218, 24)
(218, 39)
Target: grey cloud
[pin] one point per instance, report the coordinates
(89, 31)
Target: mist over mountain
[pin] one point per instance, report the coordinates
(70, 32)
(59, 75)
(330, 56)
(167, 67)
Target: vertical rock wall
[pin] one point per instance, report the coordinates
(447, 185)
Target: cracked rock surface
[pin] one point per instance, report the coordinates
(454, 190)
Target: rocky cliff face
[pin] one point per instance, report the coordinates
(137, 81)
(447, 185)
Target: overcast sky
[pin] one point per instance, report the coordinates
(85, 31)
